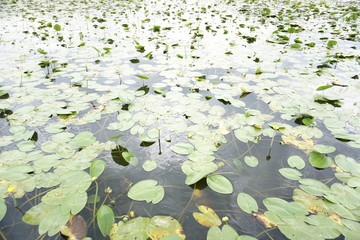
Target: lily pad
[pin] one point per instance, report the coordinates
(207, 217)
(105, 219)
(147, 190)
(319, 160)
(219, 184)
(182, 148)
(251, 161)
(247, 203)
(296, 162)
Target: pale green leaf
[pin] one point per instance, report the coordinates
(247, 203)
(105, 219)
(219, 184)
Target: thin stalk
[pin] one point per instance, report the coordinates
(268, 157)
(94, 208)
(158, 128)
(187, 205)
(3, 236)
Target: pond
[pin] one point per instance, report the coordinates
(179, 119)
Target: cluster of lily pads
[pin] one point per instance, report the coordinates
(84, 81)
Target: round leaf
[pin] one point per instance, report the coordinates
(324, 148)
(97, 167)
(182, 148)
(219, 184)
(296, 162)
(247, 203)
(251, 161)
(149, 165)
(319, 160)
(147, 190)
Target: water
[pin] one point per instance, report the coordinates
(201, 67)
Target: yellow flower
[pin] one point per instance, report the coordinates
(11, 189)
(158, 127)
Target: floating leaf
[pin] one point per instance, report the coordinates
(207, 217)
(57, 27)
(18, 172)
(324, 148)
(3, 209)
(147, 190)
(105, 219)
(247, 203)
(290, 173)
(149, 165)
(278, 206)
(264, 220)
(171, 237)
(251, 161)
(219, 184)
(161, 226)
(52, 221)
(324, 87)
(331, 43)
(142, 76)
(130, 230)
(97, 167)
(319, 160)
(296, 162)
(182, 148)
(130, 158)
(197, 170)
(84, 139)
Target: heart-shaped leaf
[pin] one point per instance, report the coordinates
(207, 217)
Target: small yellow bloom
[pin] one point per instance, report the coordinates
(86, 78)
(11, 189)
(158, 127)
(93, 179)
(132, 214)
(225, 219)
(21, 73)
(108, 190)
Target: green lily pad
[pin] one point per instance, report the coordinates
(219, 184)
(147, 190)
(130, 230)
(251, 161)
(149, 165)
(290, 173)
(105, 219)
(324, 148)
(182, 148)
(319, 160)
(296, 162)
(247, 203)
(97, 167)
(84, 139)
